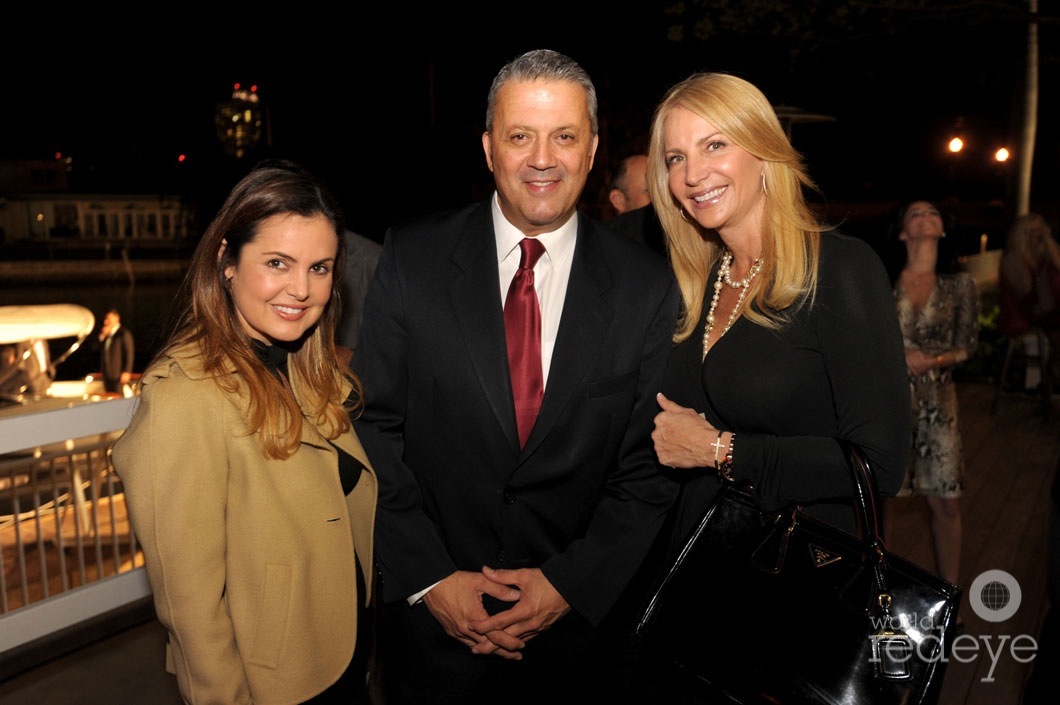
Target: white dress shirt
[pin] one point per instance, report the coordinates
(551, 273)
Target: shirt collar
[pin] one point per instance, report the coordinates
(557, 243)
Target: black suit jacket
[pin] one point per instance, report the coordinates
(642, 225)
(117, 357)
(583, 500)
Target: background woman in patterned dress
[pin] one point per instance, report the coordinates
(938, 309)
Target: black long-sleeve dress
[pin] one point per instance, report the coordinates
(835, 371)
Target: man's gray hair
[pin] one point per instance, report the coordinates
(550, 66)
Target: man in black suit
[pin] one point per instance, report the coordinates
(362, 255)
(117, 349)
(501, 561)
(629, 184)
(641, 225)
(635, 217)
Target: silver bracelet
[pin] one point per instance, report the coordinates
(716, 444)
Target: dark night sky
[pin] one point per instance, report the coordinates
(395, 130)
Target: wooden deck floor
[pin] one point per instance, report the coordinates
(1011, 459)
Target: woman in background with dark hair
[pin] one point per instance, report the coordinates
(938, 310)
(251, 495)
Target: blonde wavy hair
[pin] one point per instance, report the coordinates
(1033, 250)
(207, 316)
(790, 230)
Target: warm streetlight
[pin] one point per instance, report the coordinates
(1001, 155)
(955, 145)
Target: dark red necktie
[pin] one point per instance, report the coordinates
(522, 326)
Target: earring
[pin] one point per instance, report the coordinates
(764, 189)
(684, 215)
(943, 234)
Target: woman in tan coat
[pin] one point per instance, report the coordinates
(247, 487)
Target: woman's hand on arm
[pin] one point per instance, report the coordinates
(682, 437)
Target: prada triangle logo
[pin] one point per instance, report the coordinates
(821, 557)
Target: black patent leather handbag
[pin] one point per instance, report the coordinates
(784, 608)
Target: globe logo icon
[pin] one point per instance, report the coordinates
(995, 596)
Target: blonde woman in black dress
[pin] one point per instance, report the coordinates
(788, 344)
(788, 341)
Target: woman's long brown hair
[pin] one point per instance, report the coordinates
(206, 315)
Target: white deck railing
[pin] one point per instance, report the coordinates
(67, 556)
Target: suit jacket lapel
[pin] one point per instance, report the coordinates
(475, 295)
(587, 314)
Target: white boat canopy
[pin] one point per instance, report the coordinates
(44, 322)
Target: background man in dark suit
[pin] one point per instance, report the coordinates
(636, 218)
(641, 225)
(117, 352)
(362, 255)
(629, 184)
(542, 535)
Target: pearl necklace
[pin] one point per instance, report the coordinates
(742, 286)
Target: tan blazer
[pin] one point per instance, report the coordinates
(251, 560)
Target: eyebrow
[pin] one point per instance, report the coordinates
(284, 255)
(543, 130)
(700, 141)
(710, 137)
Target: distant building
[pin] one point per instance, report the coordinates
(36, 209)
(94, 219)
(242, 124)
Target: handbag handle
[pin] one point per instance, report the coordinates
(866, 506)
(866, 494)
